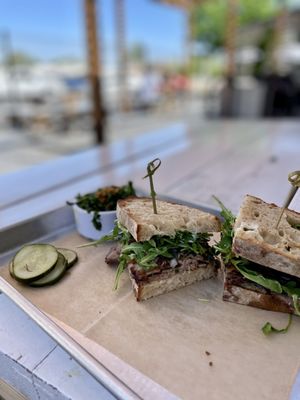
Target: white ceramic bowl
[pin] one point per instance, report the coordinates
(85, 226)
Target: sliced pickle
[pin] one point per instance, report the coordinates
(33, 261)
(11, 269)
(70, 256)
(54, 275)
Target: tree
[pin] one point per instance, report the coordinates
(208, 20)
(18, 58)
(138, 53)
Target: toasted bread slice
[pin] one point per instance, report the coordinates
(257, 239)
(136, 214)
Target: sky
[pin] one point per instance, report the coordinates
(49, 29)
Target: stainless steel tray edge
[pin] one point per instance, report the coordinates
(43, 227)
(113, 384)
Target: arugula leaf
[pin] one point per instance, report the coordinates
(295, 298)
(224, 247)
(291, 288)
(116, 235)
(229, 218)
(268, 328)
(146, 253)
(121, 268)
(254, 276)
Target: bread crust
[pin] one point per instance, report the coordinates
(257, 239)
(136, 214)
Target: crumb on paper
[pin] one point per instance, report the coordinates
(204, 300)
(210, 363)
(207, 353)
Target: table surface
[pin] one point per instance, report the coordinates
(224, 158)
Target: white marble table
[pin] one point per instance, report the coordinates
(224, 158)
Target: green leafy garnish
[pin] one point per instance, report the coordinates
(254, 276)
(224, 247)
(292, 290)
(295, 298)
(103, 199)
(145, 254)
(268, 328)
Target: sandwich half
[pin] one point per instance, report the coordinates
(261, 261)
(163, 251)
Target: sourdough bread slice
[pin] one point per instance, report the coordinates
(238, 289)
(190, 269)
(136, 214)
(257, 239)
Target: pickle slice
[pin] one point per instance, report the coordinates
(70, 256)
(54, 275)
(33, 261)
(11, 269)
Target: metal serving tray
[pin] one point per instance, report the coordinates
(158, 336)
(47, 228)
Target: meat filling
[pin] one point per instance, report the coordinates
(112, 257)
(166, 266)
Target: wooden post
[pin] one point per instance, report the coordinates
(189, 36)
(281, 22)
(120, 29)
(9, 65)
(231, 32)
(94, 71)
(11, 79)
(230, 46)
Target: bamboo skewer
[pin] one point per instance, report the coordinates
(294, 179)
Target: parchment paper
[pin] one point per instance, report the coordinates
(143, 386)
(167, 337)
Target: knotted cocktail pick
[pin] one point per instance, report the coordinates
(294, 179)
(151, 168)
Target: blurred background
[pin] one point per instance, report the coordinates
(78, 72)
